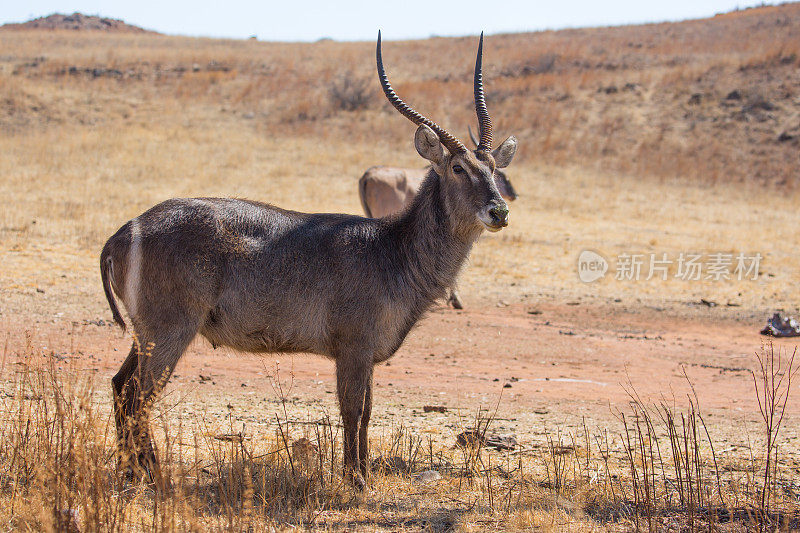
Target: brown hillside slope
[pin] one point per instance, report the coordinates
(715, 99)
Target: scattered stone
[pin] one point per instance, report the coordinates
(215, 66)
(304, 451)
(428, 476)
(734, 95)
(507, 386)
(559, 449)
(470, 438)
(779, 326)
(785, 136)
(434, 408)
(390, 465)
(758, 102)
(502, 442)
(695, 99)
(231, 437)
(708, 303)
(498, 442)
(98, 322)
(534, 312)
(722, 369)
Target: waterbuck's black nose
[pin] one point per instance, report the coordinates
(499, 214)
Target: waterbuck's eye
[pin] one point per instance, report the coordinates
(457, 169)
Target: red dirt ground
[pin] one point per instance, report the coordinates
(550, 366)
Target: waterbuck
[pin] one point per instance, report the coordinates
(387, 190)
(258, 278)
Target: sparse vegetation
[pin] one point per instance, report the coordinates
(657, 470)
(348, 93)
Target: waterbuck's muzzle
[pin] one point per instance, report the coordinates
(495, 216)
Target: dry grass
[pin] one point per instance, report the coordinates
(658, 469)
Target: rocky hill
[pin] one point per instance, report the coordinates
(76, 21)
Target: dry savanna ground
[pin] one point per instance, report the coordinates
(632, 402)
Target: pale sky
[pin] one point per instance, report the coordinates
(309, 20)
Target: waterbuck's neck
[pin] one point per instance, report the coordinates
(431, 246)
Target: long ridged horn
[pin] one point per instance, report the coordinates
(484, 122)
(452, 144)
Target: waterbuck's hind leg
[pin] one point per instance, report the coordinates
(143, 374)
(126, 399)
(353, 375)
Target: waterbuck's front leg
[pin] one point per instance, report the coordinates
(363, 444)
(353, 379)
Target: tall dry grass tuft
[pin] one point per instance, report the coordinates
(57, 470)
(772, 382)
(59, 467)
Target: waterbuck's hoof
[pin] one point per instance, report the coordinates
(358, 482)
(455, 302)
(142, 468)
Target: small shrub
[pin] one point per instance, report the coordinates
(349, 93)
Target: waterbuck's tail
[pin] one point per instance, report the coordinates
(362, 194)
(106, 266)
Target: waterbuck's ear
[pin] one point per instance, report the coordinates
(504, 153)
(429, 146)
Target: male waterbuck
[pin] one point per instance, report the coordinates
(387, 190)
(258, 278)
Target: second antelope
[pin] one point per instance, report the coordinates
(387, 190)
(258, 278)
